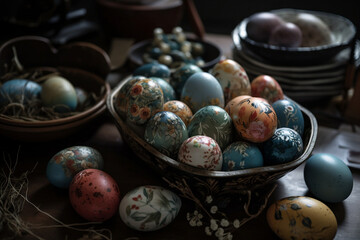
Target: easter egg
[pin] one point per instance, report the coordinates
(289, 115)
(241, 155)
(168, 90)
(328, 177)
(65, 164)
(153, 70)
(180, 109)
(19, 91)
(181, 74)
(202, 89)
(233, 102)
(266, 87)
(202, 152)
(149, 208)
(301, 218)
(166, 132)
(94, 195)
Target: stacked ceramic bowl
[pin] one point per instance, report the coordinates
(305, 73)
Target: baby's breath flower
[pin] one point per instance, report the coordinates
(219, 233)
(209, 199)
(213, 209)
(208, 231)
(236, 223)
(224, 222)
(213, 225)
(195, 220)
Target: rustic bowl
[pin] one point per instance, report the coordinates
(216, 182)
(83, 64)
(342, 29)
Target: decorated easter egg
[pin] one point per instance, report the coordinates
(168, 90)
(202, 152)
(202, 89)
(181, 74)
(166, 132)
(289, 115)
(82, 97)
(214, 122)
(65, 164)
(233, 102)
(232, 78)
(254, 119)
(149, 208)
(242, 155)
(19, 91)
(284, 146)
(94, 195)
(153, 70)
(328, 177)
(144, 99)
(180, 109)
(266, 87)
(301, 217)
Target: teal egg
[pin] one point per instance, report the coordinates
(153, 70)
(181, 74)
(289, 115)
(242, 155)
(168, 90)
(19, 90)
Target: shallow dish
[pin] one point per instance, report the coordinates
(217, 182)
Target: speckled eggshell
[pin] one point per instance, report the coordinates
(232, 78)
(168, 90)
(242, 155)
(214, 122)
(65, 164)
(149, 208)
(254, 119)
(181, 74)
(166, 132)
(284, 146)
(289, 115)
(144, 99)
(266, 87)
(153, 70)
(300, 217)
(19, 90)
(94, 195)
(233, 102)
(202, 89)
(180, 109)
(202, 152)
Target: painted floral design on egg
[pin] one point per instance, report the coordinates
(289, 115)
(266, 87)
(180, 109)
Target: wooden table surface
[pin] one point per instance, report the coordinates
(130, 172)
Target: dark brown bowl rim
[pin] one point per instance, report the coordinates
(139, 7)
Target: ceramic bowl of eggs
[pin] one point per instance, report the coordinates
(295, 36)
(48, 93)
(212, 128)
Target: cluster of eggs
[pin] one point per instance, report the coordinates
(216, 120)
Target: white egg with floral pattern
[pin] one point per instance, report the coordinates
(149, 208)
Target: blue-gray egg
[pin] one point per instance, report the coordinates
(153, 70)
(82, 96)
(166, 132)
(242, 155)
(289, 115)
(181, 74)
(19, 90)
(214, 122)
(284, 146)
(65, 164)
(202, 89)
(328, 178)
(168, 90)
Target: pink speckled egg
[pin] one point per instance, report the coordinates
(202, 152)
(254, 119)
(180, 109)
(267, 87)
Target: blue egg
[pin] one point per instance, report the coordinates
(181, 74)
(166, 132)
(289, 115)
(19, 90)
(168, 90)
(65, 164)
(328, 177)
(242, 155)
(153, 70)
(284, 146)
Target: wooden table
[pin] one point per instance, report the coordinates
(130, 172)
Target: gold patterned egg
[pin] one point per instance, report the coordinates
(180, 109)
(301, 218)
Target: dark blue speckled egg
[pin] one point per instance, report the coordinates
(19, 90)
(153, 70)
(289, 115)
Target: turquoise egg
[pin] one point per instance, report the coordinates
(181, 74)
(168, 90)
(65, 164)
(284, 146)
(153, 70)
(144, 99)
(242, 155)
(19, 91)
(214, 122)
(289, 115)
(202, 89)
(166, 132)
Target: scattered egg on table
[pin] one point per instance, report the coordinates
(166, 132)
(232, 78)
(289, 115)
(301, 217)
(65, 164)
(19, 91)
(214, 122)
(94, 195)
(181, 74)
(153, 70)
(242, 155)
(266, 87)
(202, 89)
(180, 109)
(328, 177)
(202, 152)
(254, 119)
(168, 90)
(59, 93)
(284, 146)
(149, 208)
